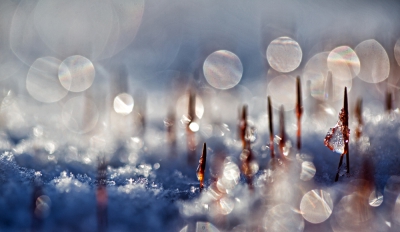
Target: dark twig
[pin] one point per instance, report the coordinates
(171, 130)
(299, 111)
(246, 156)
(358, 114)
(101, 195)
(190, 134)
(202, 167)
(271, 129)
(388, 101)
(243, 126)
(329, 87)
(37, 217)
(282, 131)
(344, 127)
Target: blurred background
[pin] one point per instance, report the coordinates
(81, 80)
(53, 51)
(94, 72)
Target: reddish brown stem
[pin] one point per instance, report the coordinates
(346, 129)
(388, 102)
(329, 87)
(358, 114)
(101, 195)
(243, 126)
(343, 126)
(37, 217)
(247, 156)
(202, 167)
(191, 139)
(140, 108)
(271, 129)
(170, 125)
(340, 164)
(299, 111)
(282, 131)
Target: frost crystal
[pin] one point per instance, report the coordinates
(336, 141)
(336, 137)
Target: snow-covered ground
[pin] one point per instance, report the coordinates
(87, 82)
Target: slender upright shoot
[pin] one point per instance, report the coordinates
(388, 101)
(202, 167)
(358, 114)
(190, 133)
(271, 129)
(243, 126)
(346, 129)
(282, 131)
(299, 111)
(101, 195)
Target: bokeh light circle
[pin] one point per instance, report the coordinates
(74, 26)
(284, 54)
(123, 103)
(227, 205)
(316, 71)
(375, 199)
(307, 170)
(316, 206)
(283, 218)
(201, 227)
(341, 60)
(80, 114)
(397, 51)
(396, 210)
(194, 126)
(9, 63)
(24, 39)
(76, 73)
(127, 17)
(374, 61)
(282, 90)
(42, 80)
(223, 69)
(205, 227)
(231, 171)
(182, 106)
